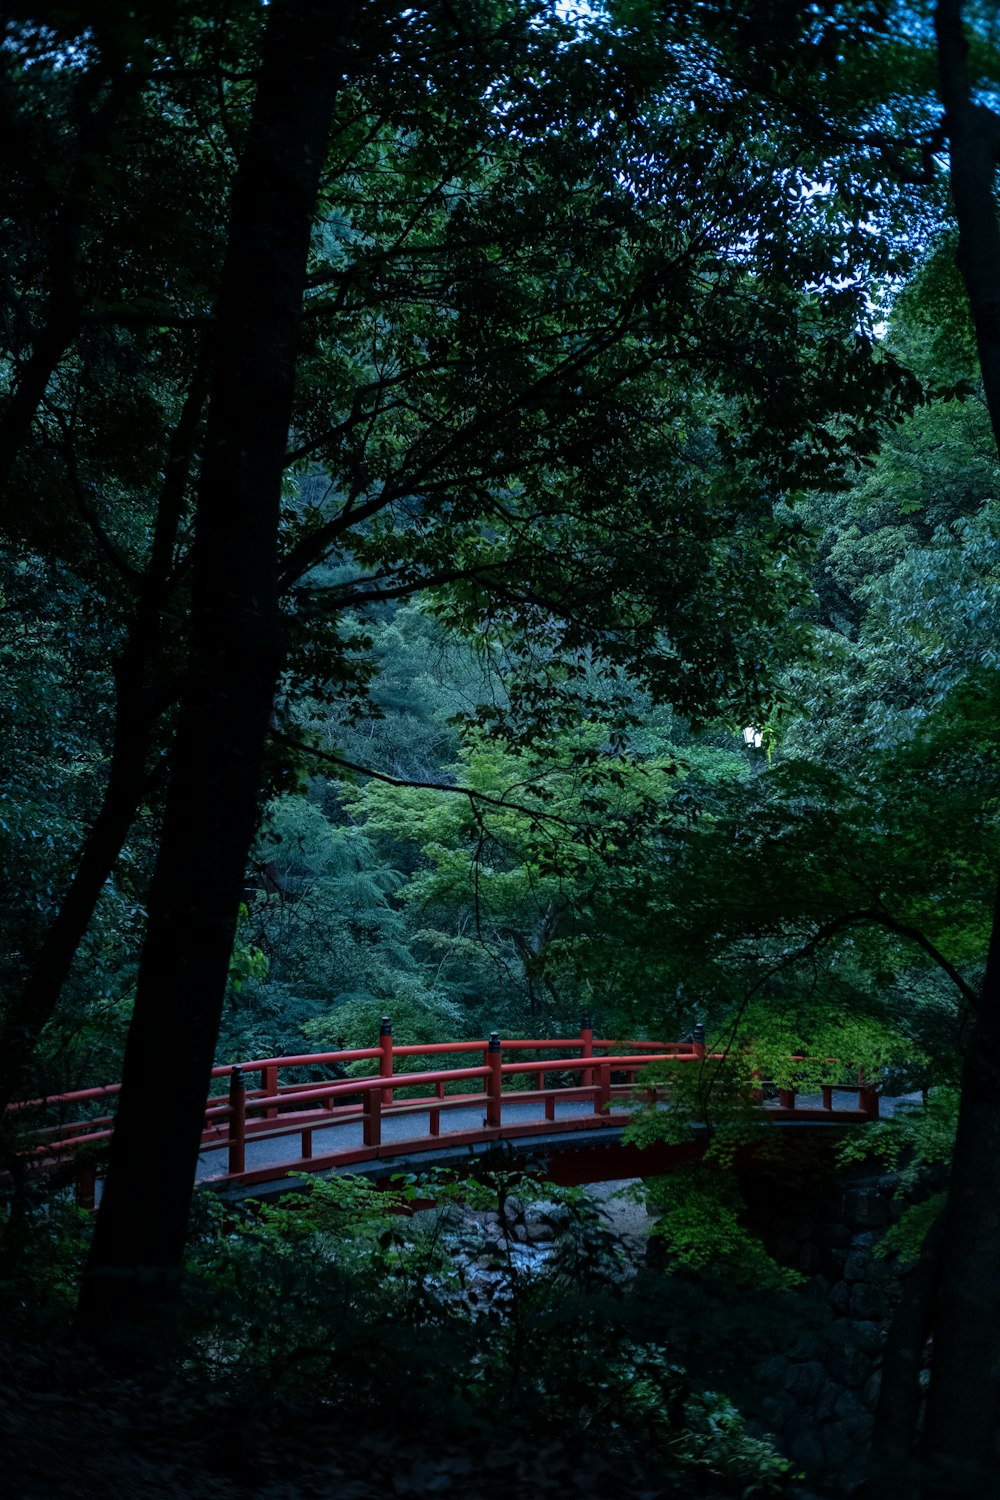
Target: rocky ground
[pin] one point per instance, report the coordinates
(626, 1213)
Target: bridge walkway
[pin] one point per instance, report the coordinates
(411, 1132)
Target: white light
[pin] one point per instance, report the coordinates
(758, 739)
(748, 735)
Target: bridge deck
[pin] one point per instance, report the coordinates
(403, 1133)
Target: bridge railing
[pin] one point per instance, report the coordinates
(303, 1109)
(585, 1069)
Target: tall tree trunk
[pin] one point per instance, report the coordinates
(236, 654)
(961, 1449)
(894, 1468)
(963, 1411)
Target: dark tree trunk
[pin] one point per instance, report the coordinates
(974, 149)
(236, 654)
(961, 1451)
(963, 1409)
(894, 1468)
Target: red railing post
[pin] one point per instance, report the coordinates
(867, 1096)
(868, 1101)
(698, 1041)
(85, 1188)
(237, 1120)
(826, 1089)
(494, 1081)
(602, 1093)
(385, 1061)
(269, 1083)
(587, 1049)
(434, 1115)
(372, 1123)
(786, 1098)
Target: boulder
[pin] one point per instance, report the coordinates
(866, 1208)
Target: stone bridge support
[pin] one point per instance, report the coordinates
(819, 1391)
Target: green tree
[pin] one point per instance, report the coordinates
(878, 88)
(558, 358)
(502, 897)
(514, 360)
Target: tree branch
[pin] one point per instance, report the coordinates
(475, 798)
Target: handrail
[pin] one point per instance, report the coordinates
(605, 1070)
(76, 1096)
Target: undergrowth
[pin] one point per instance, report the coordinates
(341, 1295)
(341, 1300)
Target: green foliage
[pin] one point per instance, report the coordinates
(805, 1051)
(505, 877)
(354, 1021)
(44, 1239)
(717, 1441)
(346, 1208)
(931, 317)
(905, 1238)
(911, 1142)
(328, 945)
(589, 366)
(282, 1301)
(913, 1139)
(247, 961)
(700, 1224)
(570, 338)
(702, 1216)
(329, 1289)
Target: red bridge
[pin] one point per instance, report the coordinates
(569, 1093)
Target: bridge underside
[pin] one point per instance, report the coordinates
(564, 1159)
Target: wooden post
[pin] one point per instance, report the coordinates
(434, 1115)
(372, 1123)
(328, 1101)
(602, 1093)
(85, 1188)
(698, 1041)
(237, 1120)
(868, 1101)
(827, 1091)
(385, 1061)
(269, 1083)
(494, 1083)
(786, 1098)
(587, 1048)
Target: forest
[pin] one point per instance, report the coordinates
(499, 524)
